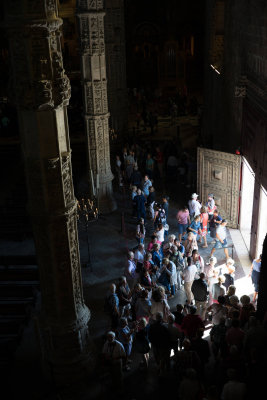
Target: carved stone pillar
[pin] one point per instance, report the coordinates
(41, 92)
(93, 70)
(116, 65)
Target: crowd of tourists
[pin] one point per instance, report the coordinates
(166, 266)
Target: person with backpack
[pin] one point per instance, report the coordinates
(160, 216)
(111, 306)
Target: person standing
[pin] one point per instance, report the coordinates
(221, 241)
(140, 231)
(255, 276)
(113, 353)
(215, 221)
(146, 185)
(201, 294)
(183, 220)
(189, 274)
(194, 206)
(140, 202)
(204, 217)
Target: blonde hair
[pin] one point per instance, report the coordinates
(203, 209)
(231, 290)
(221, 279)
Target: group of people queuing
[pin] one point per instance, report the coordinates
(166, 160)
(141, 317)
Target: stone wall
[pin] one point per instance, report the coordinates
(242, 74)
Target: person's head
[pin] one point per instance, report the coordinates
(148, 256)
(260, 256)
(202, 276)
(122, 281)
(138, 287)
(221, 300)
(111, 336)
(136, 167)
(146, 177)
(142, 323)
(245, 300)
(134, 188)
(221, 279)
(151, 189)
(165, 199)
(130, 255)
(165, 261)
(171, 238)
(157, 295)
(161, 291)
(189, 261)
(117, 157)
(154, 239)
(210, 196)
(148, 156)
(112, 288)
(159, 316)
(194, 196)
(171, 319)
(231, 290)
(141, 247)
(139, 192)
(224, 222)
(184, 209)
(177, 242)
(213, 260)
(192, 310)
(234, 300)
(160, 226)
(141, 221)
(215, 213)
(197, 218)
(195, 254)
(156, 247)
(186, 344)
(203, 209)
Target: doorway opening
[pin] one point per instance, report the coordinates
(247, 196)
(262, 224)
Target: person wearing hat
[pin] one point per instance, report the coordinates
(194, 206)
(220, 240)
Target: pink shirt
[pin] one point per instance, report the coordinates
(182, 217)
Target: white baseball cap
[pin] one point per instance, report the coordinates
(194, 195)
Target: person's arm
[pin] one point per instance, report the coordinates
(251, 269)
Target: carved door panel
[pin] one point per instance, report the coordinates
(219, 173)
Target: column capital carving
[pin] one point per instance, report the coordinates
(40, 84)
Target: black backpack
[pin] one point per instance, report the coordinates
(161, 217)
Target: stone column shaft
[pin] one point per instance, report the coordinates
(90, 16)
(42, 92)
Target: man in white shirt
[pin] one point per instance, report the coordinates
(194, 206)
(189, 274)
(113, 353)
(221, 241)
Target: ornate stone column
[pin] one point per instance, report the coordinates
(93, 70)
(42, 92)
(116, 65)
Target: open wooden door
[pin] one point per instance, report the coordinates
(219, 173)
